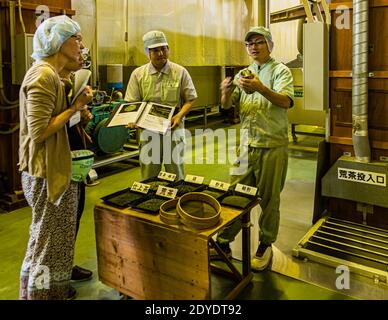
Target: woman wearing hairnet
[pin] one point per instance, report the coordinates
(45, 161)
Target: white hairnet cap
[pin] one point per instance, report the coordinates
(51, 34)
(264, 32)
(154, 39)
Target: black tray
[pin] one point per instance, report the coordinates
(118, 200)
(212, 190)
(193, 187)
(235, 204)
(137, 204)
(156, 180)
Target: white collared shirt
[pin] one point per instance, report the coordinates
(172, 85)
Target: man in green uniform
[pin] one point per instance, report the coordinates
(263, 98)
(165, 82)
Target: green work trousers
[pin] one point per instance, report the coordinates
(157, 149)
(267, 170)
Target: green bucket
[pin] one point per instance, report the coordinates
(82, 162)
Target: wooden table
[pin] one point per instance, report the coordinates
(142, 257)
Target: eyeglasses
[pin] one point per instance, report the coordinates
(77, 38)
(255, 43)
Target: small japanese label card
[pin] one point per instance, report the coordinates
(219, 185)
(167, 176)
(194, 179)
(166, 192)
(246, 189)
(140, 187)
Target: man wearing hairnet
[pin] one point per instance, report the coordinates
(263, 93)
(168, 83)
(45, 161)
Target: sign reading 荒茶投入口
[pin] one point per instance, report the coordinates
(374, 178)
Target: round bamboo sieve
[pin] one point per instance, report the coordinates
(206, 210)
(167, 214)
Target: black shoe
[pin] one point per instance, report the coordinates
(72, 293)
(224, 247)
(80, 274)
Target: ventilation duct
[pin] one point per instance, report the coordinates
(360, 81)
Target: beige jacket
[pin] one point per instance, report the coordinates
(42, 96)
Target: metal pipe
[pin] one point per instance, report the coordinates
(263, 12)
(7, 107)
(15, 128)
(126, 53)
(95, 71)
(3, 97)
(267, 14)
(300, 35)
(12, 29)
(257, 8)
(360, 81)
(21, 16)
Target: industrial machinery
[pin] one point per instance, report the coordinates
(110, 144)
(309, 72)
(351, 206)
(106, 140)
(299, 114)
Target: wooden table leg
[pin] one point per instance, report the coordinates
(225, 259)
(241, 285)
(246, 242)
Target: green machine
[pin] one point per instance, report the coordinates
(107, 140)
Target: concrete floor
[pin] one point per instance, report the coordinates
(278, 284)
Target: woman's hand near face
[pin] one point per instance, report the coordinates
(83, 99)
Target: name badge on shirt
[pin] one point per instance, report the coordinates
(75, 118)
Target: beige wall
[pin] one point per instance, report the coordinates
(284, 33)
(211, 36)
(201, 32)
(85, 16)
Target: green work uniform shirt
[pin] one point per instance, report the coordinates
(267, 123)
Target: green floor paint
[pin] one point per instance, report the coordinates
(14, 236)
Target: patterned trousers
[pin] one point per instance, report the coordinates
(47, 265)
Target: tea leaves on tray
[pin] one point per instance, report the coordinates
(125, 199)
(151, 204)
(185, 188)
(236, 201)
(155, 184)
(214, 194)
